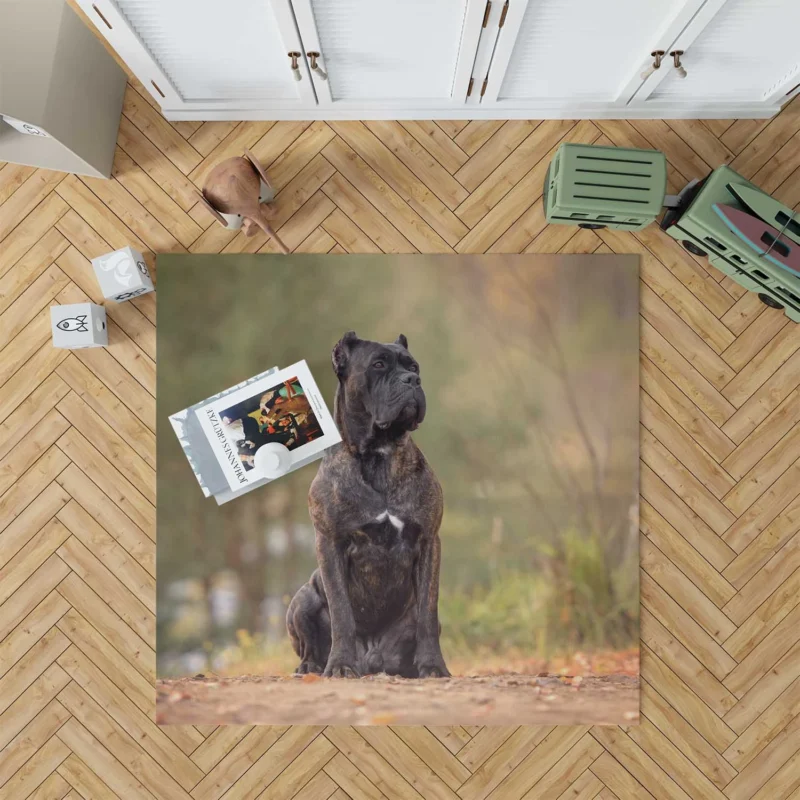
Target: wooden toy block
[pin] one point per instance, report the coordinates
(122, 274)
(79, 325)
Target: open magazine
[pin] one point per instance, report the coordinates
(281, 409)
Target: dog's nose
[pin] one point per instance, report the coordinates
(411, 378)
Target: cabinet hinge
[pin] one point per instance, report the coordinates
(469, 88)
(483, 88)
(486, 13)
(503, 15)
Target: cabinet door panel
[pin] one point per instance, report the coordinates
(206, 53)
(379, 53)
(582, 50)
(747, 52)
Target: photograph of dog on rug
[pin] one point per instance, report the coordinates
(492, 580)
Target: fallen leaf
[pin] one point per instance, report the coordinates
(383, 719)
(311, 677)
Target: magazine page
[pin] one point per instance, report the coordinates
(196, 446)
(285, 407)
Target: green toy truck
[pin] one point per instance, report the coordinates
(598, 187)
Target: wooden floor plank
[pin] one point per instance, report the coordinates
(235, 763)
(419, 161)
(402, 180)
(687, 595)
(107, 523)
(159, 131)
(384, 198)
(136, 650)
(103, 473)
(87, 748)
(683, 737)
(12, 176)
(496, 185)
(475, 133)
(147, 192)
(669, 654)
(32, 192)
(31, 592)
(437, 143)
(30, 267)
(299, 153)
(31, 230)
(85, 783)
(147, 156)
(277, 140)
(141, 754)
(682, 555)
(684, 448)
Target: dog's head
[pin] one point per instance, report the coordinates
(381, 380)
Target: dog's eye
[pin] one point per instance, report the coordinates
(379, 365)
(414, 368)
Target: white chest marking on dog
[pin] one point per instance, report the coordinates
(396, 521)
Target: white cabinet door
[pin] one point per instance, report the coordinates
(383, 55)
(736, 51)
(207, 54)
(578, 54)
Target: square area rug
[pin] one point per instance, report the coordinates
(510, 382)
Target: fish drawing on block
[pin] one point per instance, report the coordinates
(767, 241)
(77, 324)
(768, 209)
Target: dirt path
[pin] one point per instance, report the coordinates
(381, 700)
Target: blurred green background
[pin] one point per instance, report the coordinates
(530, 367)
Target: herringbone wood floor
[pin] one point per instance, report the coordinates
(720, 471)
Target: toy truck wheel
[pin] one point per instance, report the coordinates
(769, 301)
(592, 226)
(693, 248)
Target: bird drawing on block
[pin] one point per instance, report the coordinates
(233, 187)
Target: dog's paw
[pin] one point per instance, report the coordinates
(340, 669)
(433, 671)
(308, 667)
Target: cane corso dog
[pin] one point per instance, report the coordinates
(372, 606)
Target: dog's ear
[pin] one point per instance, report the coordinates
(341, 352)
(402, 341)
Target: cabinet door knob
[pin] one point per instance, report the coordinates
(296, 74)
(313, 56)
(657, 56)
(676, 58)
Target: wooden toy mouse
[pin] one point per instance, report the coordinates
(236, 192)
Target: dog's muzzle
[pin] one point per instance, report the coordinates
(402, 406)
